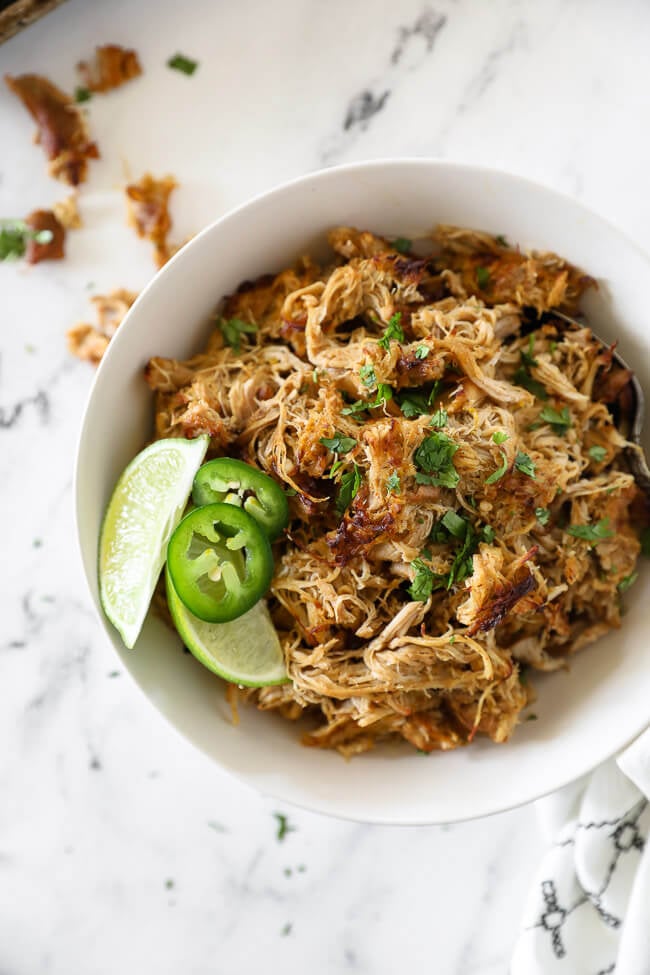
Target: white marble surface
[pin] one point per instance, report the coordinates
(121, 848)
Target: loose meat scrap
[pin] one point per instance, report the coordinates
(148, 212)
(89, 342)
(66, 212)
(37, 249)
(62, 129)
(111, 67)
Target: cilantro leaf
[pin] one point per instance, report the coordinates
(597, 453)
(528, 355)
(439, 418)
(592, 533)
(628, 581)
(422, 351)
(525, 465)
(348, 489)
(232, 330)
(367, 375)
(393, 485)
(500, 471)
(14, 235)
(181, 63)
(499, 437)
(423, 581)
(559, 421)
(82, 95)
(359, 406)
(482, 277)
(500, 239)
(393, 330)
(523, 378)
(339, 444)
(413, 404)
(434, 458)
(283, 827)
(488, 534)
(455, 524)
(402, 244)
(542, 515)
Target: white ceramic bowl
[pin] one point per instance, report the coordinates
(584, 715)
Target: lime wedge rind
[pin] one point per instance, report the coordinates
(146, 506)
(244, 651)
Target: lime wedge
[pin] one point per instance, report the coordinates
(146, 506)
(245, 651)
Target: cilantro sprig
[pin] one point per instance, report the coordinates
(597, 453)
(338, 444)
(14, 236)
(393, 330)
(592, 533)
(434, 460)
(348, 489)
(523, 377)
(232, 330)
(559, 421)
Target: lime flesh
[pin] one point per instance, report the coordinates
(244, 651)
(145, 508)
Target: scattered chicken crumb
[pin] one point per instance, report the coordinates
(89, 342)
(62, 129)
(148, 212)
(67, 213)
(36, 249)
(110, 67)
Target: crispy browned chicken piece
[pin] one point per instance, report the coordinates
(148, 212)
(62, 130)
(66, 212)
(110, 67)
(54, 249)
(89, 342)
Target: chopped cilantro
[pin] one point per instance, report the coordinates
(452, 638)
(181, 63)
(82, 95)
(525, 465)
(338, 444)
(628, 581)
(542, 515)
(455, 524)
(393, 330)
(422, 351)
(434, 457)
(531, 717)
(14, 235)
(314, 376)
(367, 375)
(359, 406)
(500, 239)
(597, 453)
(488, 534)
(348, 489)
(482, 277)
(290, 492)
(413, 404)
(232, 330)
(286, 930)
(500, 471)
(393, 484)
(592, 533)
(403, 245)
(499, 437)
(423, 580)
(439, 418)
(552, 346)
(169, 884)
(522, 376)
(283, 827)
(559, 421)
(384, 393)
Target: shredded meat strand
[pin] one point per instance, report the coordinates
(148, 212)
(110, 67)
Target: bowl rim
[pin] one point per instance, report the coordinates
(322, 175)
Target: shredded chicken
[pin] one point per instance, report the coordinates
(66, 212)
(464, 529)
(111, 67)
(148, 212)
(61, 131)
(89, 342)
(54, 248)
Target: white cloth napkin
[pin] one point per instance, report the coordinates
(588, 912)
